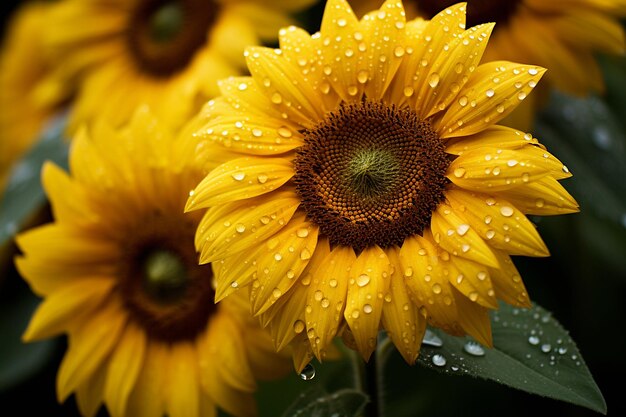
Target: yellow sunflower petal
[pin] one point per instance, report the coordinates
(124, 368)
(287, 317)
(239, 179)
(89, 345)
(224, 347)
(450, 70)
(473, 281)
(426, 277)
(493, 91)
(454, 235)
(240, 94)
(507, 282)
(148, 397)
(302, 352)
(278, 267)
(498, 137)
(474, 319)
(369, 280)
(89, 395)
(58, 309)
(235, 272)
(544, 197)
(502, 169)
(499, 222)
(58, 185)
(183, 398)
(401, 318)
(243, 224)
(287, 89)
(591, 29)
(326, 299)
(207, 406)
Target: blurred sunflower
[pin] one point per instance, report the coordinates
(119, 274)
(373, 185)
(562, 36)
(166, 53)
(29, 91)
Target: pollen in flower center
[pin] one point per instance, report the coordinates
(478, 11)
(165, 277)
(164, 289)
(371, 174)
(164, 35)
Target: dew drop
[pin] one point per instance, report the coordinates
(363, 76)
(439, 360)
(463, 101)
(362, 280)
(305, 254)
(431, 339)
(506, 211)
(276, 98)
(398, 51)
(474, 349)
(540, 202)
(342, 23)
(433, 80)
(298, 326)
(408, 91)
(240, 228)
(308, 373)
(262, 178)
(284, 132)
(462, 229)
(533, 340)
(546, 347)
(277, 293)
(490, 93)
(367, 308)
(257, 133)
(459, 172)
(490, 234)
(353, 90)
(239, 176)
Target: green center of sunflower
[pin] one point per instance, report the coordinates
(371, 174)
(163, 36)
(163, 287)
(478, 11)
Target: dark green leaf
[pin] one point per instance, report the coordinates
(24, 195)
(19, 361)
(317, 403)
(532, 352)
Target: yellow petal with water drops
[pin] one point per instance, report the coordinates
(300, 49)
(472, 280)
(287, 90)
(340, 55)
(474, 319)
(544, 197)
(124, 368)
(239, 179)
(57, 244)
(280, 316)
(498, 137)
(507, 282)
(223, 347)
(494, 90)
(426, 277)
(369, 281)
(89, 346)
(326, 299)
(498, 222)
(401, 318)
(425, 48)
(148, 397)
(230, 399)
(90, 394)
(251, 135)
(243, 225)
(235, 272)
(59, 186)
(497, 169)
(382, 50)
(302, 352)
(59, 309)
(240, 94)
(451, 69)
(452, 233)
(279, 266)
(183, 397)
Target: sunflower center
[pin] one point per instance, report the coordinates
(164, 35)
(371, 174)
(162, 285)
(478, 11)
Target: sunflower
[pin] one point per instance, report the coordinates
(119, 274)
(562, 36)
(166, 53)
(373, 186)
(29, 91)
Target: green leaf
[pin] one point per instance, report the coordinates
(19, 361)
(24, 194)
(317, 403)
(532, 352)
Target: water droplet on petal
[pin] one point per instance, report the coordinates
(308, 373)
(367, 308)
(362, 280)
(533, 340)
(506, 211)
(433, 80)
(239, 176)
(546, 347)
(459, 172)
(298, 326)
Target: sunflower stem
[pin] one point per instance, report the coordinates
(369, 377)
